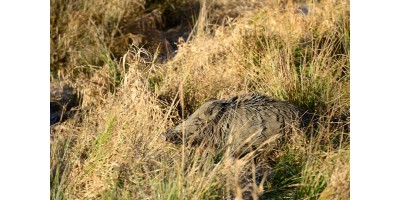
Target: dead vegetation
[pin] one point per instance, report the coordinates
(138, 69)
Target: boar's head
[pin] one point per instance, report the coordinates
(198, 125)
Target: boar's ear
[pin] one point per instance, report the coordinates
(211, 99)
(213, 110)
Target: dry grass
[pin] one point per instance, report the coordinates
(110, 148)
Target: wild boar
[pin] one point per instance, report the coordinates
(250, 118)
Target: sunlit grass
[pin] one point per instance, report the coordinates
(111, 149)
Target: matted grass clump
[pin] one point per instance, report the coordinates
(111, 147)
